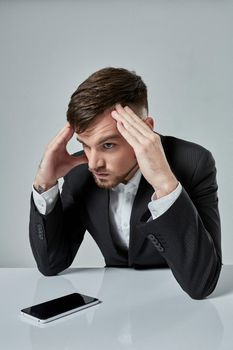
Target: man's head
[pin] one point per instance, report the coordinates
(110, 158)
(101, 91)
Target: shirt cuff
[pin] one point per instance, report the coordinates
(45, 201)
(159, 206)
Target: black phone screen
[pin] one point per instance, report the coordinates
(58, 306)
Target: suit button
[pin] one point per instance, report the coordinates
(153, 239)
(151, 236)
(160, 248)
(155, 242)
(40, 231)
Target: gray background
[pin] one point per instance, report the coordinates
(182, 49)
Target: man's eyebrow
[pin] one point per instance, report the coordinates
(103, 139)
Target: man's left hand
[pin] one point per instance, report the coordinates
(148, 150)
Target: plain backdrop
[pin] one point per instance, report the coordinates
(182, 49)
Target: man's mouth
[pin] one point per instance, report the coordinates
(100, 174)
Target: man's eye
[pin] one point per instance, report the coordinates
(108, 145)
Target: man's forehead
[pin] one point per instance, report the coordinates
(104, 127)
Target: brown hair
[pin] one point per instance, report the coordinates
(102, 90)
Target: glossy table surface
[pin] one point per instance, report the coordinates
(139, 310)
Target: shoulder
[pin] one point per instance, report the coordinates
(182, 147)
(179, 149)
(186, 158)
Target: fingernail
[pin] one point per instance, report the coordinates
(114, 114)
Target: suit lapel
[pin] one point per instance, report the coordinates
(98, 208)
(140, 205)
(140, 213)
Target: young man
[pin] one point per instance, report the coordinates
(147, 200)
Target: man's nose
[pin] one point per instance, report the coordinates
(95, 161)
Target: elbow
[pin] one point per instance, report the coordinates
(198, 296)
(47, 271)
(202, 293)
(52, 268)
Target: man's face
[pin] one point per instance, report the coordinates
(110, 158)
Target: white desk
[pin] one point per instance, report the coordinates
(143, 310)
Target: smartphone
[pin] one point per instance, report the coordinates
(56, 308)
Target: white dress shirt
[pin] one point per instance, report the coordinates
(120, 205)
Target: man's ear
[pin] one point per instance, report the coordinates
(150, 122)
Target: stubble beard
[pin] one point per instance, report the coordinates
(107, 184)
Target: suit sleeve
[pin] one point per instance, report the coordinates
(188, 234)
(55, 238)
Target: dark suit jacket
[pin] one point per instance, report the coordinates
(186, 237)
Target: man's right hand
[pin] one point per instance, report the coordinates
(57, 162)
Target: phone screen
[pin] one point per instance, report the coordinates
(52, 308)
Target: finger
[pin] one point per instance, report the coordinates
(64, 129)
(134, 120)
(136, 133)
(131, 117)
(69, 132)
(132, 140)
(63, 136)
(135, 117)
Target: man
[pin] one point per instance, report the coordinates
(147, 200)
